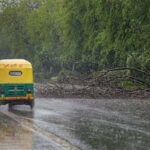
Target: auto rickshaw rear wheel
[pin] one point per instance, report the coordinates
(10, 106)
(32, 104)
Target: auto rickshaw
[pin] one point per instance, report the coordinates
(16, 82)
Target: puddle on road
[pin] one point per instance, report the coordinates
(13, 136)
(19, 132)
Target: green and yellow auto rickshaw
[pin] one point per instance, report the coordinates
(16, 82)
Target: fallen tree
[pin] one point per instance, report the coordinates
(104, 84)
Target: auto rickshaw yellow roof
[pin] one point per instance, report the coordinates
(8, 63)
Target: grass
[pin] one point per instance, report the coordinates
(129, 85)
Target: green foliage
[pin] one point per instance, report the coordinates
(128, 85)
(63, 74)
(86, 35)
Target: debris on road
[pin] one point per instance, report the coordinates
(80, 91)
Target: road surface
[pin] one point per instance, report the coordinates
(77, 124)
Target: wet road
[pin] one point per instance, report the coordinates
(77, 124)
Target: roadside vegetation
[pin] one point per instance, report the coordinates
(77, 38)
